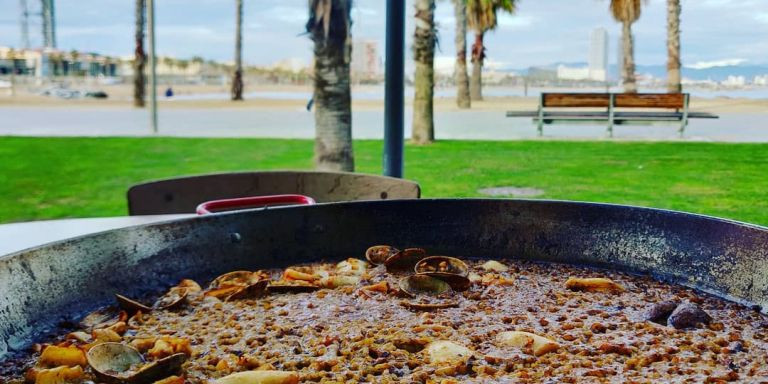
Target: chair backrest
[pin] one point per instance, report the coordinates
(183, 194)
(621, 100)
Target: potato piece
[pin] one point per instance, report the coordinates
(54, 356)
(79, 336)
(339, 281)
(595, 284)
(260, 377)
(161, 349)
(59, 375)
(292, 274)
(381, 286)
(539, 344)
(444, 351)
(494, 266)
(351, 266)
(143, 344)
(106, 335)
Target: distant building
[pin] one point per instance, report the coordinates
(598, 55)
(734, 81)
(569, 73)
(366, 63)
(761, 80)
(293, 64)
(46, 62)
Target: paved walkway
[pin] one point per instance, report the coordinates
(368, 124)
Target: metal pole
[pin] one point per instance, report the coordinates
(152, 65)
(394, 92)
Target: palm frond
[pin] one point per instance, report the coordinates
(627, 11)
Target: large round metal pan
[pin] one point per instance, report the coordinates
(61, 281)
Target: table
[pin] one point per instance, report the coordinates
(19, 236)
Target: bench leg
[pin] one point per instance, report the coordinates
(540, 126)
(610, 115)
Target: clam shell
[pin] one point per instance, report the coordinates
(405, 259)
(420, 284)
(131, 306)
(121, 363)
(378, 254)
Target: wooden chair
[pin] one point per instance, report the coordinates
(183, 194)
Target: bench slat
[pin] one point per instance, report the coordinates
(623, 100)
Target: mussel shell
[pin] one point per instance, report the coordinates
(243, 278)
(378, 254)
(451, 265)
(417, 306)
(420, 284)
(405, 259)
(458, 283)
(131, 306)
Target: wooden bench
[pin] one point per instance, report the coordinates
(675, 104)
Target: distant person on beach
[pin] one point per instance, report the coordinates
(169, 92)
(310, 103)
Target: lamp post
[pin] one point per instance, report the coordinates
(152, 65)
(394, 81)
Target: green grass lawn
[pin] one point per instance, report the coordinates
(43, 178)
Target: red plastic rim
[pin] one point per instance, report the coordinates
(252, 202)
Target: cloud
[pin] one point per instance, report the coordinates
(507, 21)
(292, 15)
(716, 63)
(762, 17)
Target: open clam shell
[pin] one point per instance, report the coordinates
(255, 290)
(131, 306)
(120, 363)
(102, 318)
(442, 264)
(378, 254)
(173, 298)
(405, 259)
(449, 269)
(243, 278)
(415, 285)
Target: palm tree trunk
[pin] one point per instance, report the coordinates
(333, 111)
(423, 131)
(628, 68)
(478, 55)
(673, 47)
(140, 57)
(237, 78)
(461, 77)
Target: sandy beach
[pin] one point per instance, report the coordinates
(293, 96)
(280, 112)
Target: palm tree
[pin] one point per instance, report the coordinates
(237, 78)
(627, 12)
(140, 58)
(673, 47)
(461, 78)
(481, 18)
(423, 131)
(329, 27)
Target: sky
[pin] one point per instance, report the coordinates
(541, 32)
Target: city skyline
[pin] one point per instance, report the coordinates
(715, 32)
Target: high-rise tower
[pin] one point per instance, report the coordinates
(598, 55)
